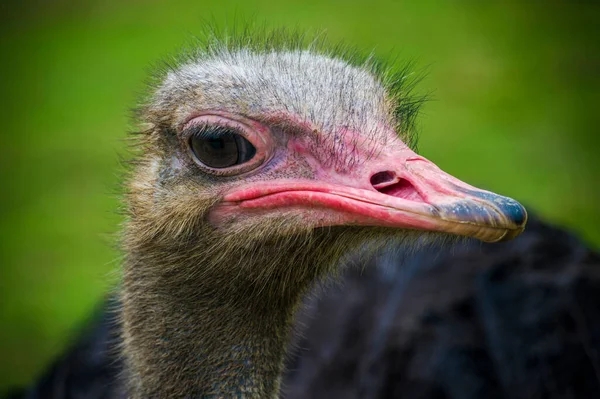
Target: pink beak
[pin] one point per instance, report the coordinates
(400, 190)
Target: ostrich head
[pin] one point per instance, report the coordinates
(259, 170)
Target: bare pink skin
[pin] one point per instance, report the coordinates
(373, 185)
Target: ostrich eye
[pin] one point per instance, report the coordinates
(221, 148)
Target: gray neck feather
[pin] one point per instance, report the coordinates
(199, 340)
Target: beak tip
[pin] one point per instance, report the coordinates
(515, 213)
(507, 216)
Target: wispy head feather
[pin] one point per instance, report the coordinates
(398, 78)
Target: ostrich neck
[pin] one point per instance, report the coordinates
(202, 336)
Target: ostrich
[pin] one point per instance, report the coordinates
(262, 170)
(259, 170)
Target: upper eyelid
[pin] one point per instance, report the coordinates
(209, 129)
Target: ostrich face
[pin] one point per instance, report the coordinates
(298, 136)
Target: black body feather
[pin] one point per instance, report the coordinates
(519, 319)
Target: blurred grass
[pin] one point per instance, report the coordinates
(515, 111)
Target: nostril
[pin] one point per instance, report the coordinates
(389, 183)
(382, 179)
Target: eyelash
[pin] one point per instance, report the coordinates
(206, 131)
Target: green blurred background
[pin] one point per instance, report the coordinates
(516, 110)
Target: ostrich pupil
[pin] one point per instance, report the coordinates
(222, 150)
